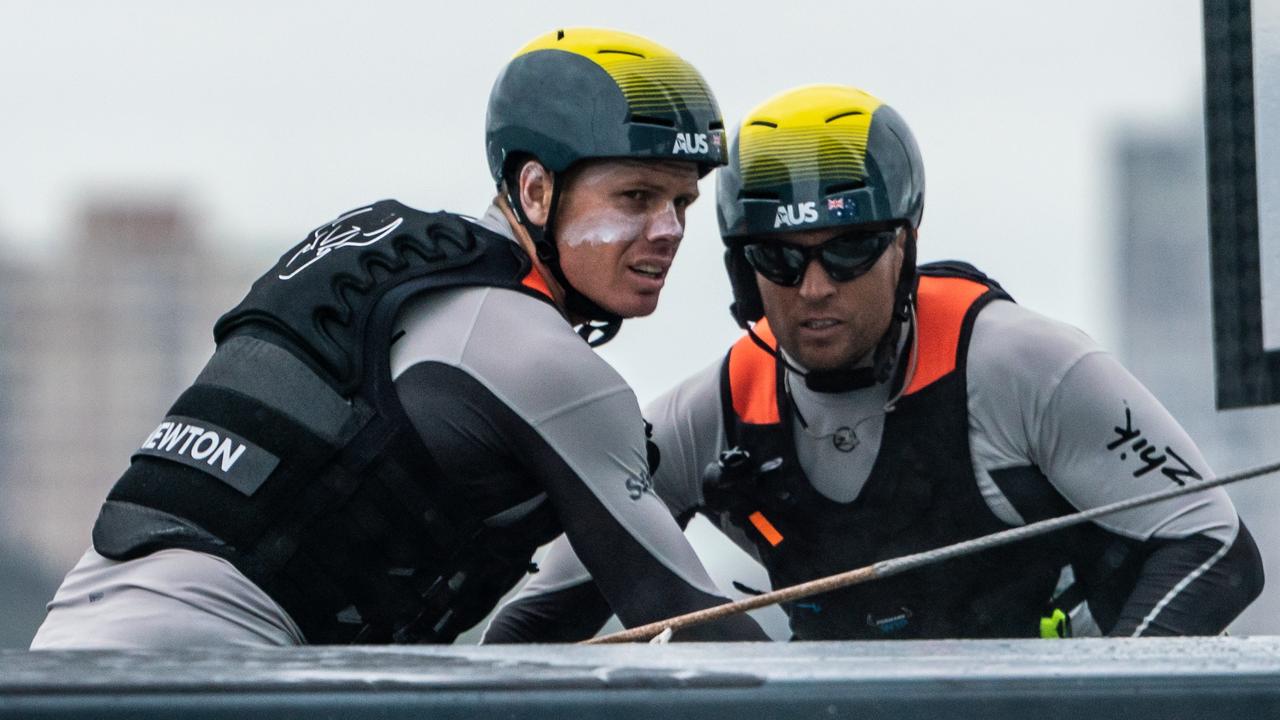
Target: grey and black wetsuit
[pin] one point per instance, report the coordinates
(501, 428)
(1006, 417)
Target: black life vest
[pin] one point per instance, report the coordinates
(921, 494)
(291, 456)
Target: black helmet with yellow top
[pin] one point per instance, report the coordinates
(585, 93)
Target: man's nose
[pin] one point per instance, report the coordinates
(816, 283)
(665, 225)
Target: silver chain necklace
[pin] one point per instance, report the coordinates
(845, 438)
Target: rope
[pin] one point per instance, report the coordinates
(894, 566)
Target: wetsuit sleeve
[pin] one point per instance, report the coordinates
(572, 425)
(1045, 397)
(561, 603)
(688, 428)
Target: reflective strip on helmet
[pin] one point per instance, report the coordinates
(941, 304)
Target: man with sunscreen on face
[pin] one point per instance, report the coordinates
(401, 410)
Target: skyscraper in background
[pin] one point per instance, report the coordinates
(98, 343)
(1165, 327)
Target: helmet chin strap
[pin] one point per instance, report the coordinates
(597, 321)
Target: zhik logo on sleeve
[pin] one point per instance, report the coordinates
(1128, 439)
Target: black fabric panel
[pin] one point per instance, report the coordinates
(279, 379)
(1124, 579)
(1106, 565)
(465, 429)
(125, 531)
(728, 417)
(214, 505)
(495, 459)
(1031, 493)
(966, 329)
(1206, 605)
(569, 615)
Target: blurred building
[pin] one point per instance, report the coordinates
(26, 584)
(97, 344)
(11, 277)
(1165, 328)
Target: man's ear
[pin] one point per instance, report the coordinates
(900, 240)
(535, 192)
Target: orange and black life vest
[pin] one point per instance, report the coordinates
(921, 494)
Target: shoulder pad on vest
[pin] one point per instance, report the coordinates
(752, 378)
(943, 304)
(321, 292)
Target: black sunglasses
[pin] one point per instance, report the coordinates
(844, 257)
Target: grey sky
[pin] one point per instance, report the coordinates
(274, 117)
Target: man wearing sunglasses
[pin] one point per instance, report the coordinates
(875, 408)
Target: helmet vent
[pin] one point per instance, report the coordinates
(559, 35)
(715, 125)
(765, 123)
(833, 118)
(632, 53)
(758, 195)
(652, 120)
(845, 186)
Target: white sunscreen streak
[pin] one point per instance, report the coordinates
(611, 228)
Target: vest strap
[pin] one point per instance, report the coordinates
(941, 306)
(752, 378)
(277, 378)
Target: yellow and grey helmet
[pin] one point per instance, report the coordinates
(820, 156)
(813, 157)
(582, 93)
(585, 93)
